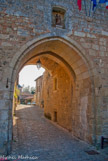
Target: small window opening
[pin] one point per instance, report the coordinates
(58, 17)
(55, 84)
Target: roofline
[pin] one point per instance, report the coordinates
(38, 78)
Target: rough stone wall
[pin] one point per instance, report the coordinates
(69, 101)
(39, 97)
(23, 21)
(58, 100)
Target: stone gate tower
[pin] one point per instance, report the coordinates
(56, 30)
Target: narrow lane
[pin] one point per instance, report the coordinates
(36, 138)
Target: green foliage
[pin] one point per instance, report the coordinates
(26, 89)
(29, 89)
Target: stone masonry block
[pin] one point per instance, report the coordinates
(95, 47)
(80, 34)
(4, 36)
(91, 35)
(4, 114)
(104, 33)
(6, 44)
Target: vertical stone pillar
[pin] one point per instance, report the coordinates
(5, 119)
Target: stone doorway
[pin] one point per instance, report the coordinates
(55, 116)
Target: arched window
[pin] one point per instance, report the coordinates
(58, 17)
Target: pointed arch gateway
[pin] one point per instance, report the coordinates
(72, 58)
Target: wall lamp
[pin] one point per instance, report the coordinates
(38, 64)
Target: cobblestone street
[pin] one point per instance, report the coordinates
(42, 140)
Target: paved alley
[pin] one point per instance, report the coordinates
(37, 138)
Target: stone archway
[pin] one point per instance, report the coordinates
(83, 113)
